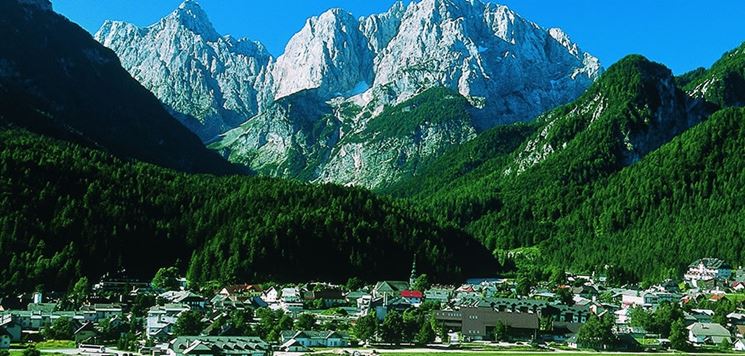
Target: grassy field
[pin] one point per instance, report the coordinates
(55, 344)
(508, 353)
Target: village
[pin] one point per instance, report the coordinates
(702, 312)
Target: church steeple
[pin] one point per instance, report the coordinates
(413, 276)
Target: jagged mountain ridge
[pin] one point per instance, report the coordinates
(211, 83)
(507, 67)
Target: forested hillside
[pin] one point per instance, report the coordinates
(616, 178)
(724, 83)
(55, 79)
(67, 211)
(682, 202)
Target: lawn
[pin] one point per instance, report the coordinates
(49, 345)
(56, 344)
(736, 297)
(508, 353)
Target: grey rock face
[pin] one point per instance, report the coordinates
(487, 51)
(211, 83)
(330, 54)
(507, 67)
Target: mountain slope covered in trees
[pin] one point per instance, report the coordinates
(57, 80)
(632, 174)
(724, 83)
(682, 202)
(67, 211)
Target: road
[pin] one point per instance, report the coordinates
(109, 351)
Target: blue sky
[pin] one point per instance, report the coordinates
(683, 34)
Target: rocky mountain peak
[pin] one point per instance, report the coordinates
(330, 53)
(434, 11)
(381, 28)
(209, 82)
(560, 36)
(190, 15)
(506, 67)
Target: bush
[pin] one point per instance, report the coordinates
(31, 351)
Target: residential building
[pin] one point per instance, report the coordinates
(707, 269)
(222, 302)
(389, 288)
(702, 315)
(293, 309)
(118, 283)
(270, 295)
(623, 316)
(218, 345)
(736, 318)
(438, 294)
(585, 291)
(384, 305)
(293, 346)
(708, 333)
(241, 290)
(739, 345)
(315, 338)
(413, 296)
(193, 300)
(160, 320)
(99, 312)
(647, 299)
(739, 275)
(31, 321)
(329, 297)
(740, 331)
(291, 295)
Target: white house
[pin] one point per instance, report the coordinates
(622, 316)
(315, 338)
(99, 312)
(646, 299)
(160, 320)
(271, 295)
(707, 269)
(291, 295)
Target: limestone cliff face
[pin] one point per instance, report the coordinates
(304, 114)
(330, 54)
(211, 83)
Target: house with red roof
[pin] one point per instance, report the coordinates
(413, 296)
